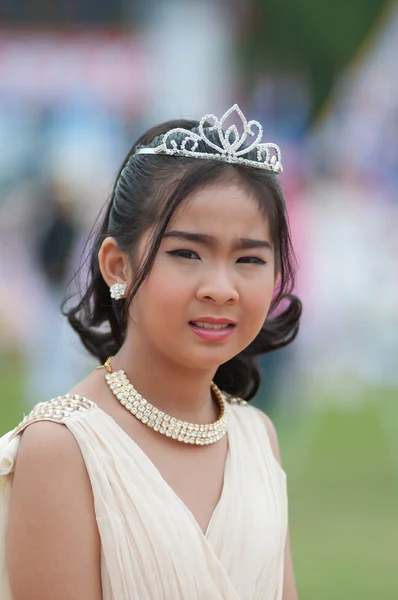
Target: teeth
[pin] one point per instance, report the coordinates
(209, 325)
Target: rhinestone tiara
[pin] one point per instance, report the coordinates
(268, 154)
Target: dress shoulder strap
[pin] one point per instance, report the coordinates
(57, 410)
(234, 399)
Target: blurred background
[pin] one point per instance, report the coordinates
(79, 81)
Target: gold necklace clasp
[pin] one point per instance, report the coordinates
(106, 365)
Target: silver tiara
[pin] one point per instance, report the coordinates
(268, 154)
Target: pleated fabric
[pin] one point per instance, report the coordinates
(152, 547)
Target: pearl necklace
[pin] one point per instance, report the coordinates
(149, 415)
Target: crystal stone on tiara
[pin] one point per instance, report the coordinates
(268, 154)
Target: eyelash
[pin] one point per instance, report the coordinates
(253, 260)
(183, 254)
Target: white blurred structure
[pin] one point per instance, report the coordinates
(351, 332)
(189, 49)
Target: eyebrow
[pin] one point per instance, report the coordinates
(209, 240)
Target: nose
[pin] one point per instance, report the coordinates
(218, 288)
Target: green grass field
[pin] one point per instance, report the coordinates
(343, 496)
(342, 468)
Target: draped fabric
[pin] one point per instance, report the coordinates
(152, 547)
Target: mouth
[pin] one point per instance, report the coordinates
(215, 326)
(212, 329)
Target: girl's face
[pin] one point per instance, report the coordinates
(210, 288)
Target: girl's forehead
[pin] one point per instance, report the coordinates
(223, 204)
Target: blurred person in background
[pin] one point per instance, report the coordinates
(57, 234)
(175, 484)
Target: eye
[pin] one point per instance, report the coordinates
(251, 260)
(189, 254)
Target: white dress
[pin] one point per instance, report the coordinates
(151, 545)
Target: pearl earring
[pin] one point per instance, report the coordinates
(117, 290)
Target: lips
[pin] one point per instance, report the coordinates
(212, 328)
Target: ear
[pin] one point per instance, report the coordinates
(113, 263)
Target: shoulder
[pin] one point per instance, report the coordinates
(271, 430)
(45, 449)
(42, 430)
(48, 453)
(51, 513)
(50, 474)
(45, 443)
(256, 415)
(56, 410)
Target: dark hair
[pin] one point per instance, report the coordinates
(147, 191)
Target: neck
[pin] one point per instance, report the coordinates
(180, 392)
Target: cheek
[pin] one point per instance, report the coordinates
(162, 292)
(257, 300)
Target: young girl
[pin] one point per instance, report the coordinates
(153, 479)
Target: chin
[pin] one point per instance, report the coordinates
(207, 359)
